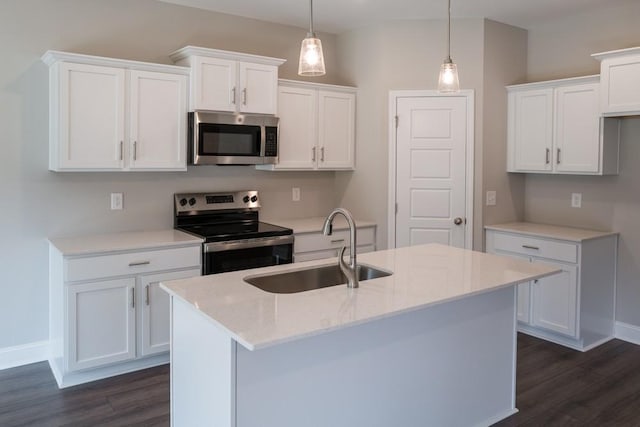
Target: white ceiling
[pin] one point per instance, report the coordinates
(336, 16)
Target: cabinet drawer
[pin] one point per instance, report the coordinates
(317, 241)
(95, 267)
(561, 251)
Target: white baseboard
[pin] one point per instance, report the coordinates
(627, 332)
(19, 355)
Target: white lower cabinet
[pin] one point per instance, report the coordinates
(108, 314)
(154, 315)
(101, 323)
(315, 245)
(574, 307)
(554, 300)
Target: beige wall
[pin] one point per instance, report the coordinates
(395, 56)
(505, 63)
(37, 203)
(562, 48)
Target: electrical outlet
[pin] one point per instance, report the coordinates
(117, 201)
(576, 200)
(491, 198)
(295, 194)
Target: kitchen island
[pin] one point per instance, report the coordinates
(432, 344)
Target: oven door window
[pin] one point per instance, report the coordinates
(229, 140)
(242, 259)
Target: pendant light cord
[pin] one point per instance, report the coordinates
(448, 33)
(311, 18)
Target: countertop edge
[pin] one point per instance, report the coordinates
(520, 228)
(77, 246)
(390, 312)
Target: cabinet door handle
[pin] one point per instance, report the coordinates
(244, 96)
(121, 150)
(135, 150)
(322, 154)
(313, 155)
(137, 263)
(233, 95)
(535, 248)
(147, 294)
(337, 241)
(133, 297)
(558, 156)
(546, 158)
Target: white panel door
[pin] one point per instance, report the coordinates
(101, 323)
(577, 129)
(533, 129)
(158, 113)
(297, 138)
(555, 300)
(431, 170)
(154, 318)
(215, 84)
(259, 88)
(92, 117)
(336, 130)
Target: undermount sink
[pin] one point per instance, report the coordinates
(307, 279)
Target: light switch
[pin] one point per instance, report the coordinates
(491, 198)
(295, 194)
(576, 200)
(117, 201)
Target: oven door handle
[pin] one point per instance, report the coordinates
(247, 243)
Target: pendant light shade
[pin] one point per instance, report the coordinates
(311, 58)
(448, 80)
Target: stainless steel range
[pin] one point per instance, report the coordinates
(234, 238)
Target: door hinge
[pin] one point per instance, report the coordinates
(397, 119)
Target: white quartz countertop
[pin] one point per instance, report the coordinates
(551, 231)
(314, 224)
(422, 276)
(113, 242)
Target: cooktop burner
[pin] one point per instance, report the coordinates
(223, 232)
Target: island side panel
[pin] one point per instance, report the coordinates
(202, 370)
(450, 364)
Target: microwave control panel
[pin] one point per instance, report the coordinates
(270, 141)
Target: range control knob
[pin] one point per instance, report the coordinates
(183, 202)
(192, 201)
(245, 199)
(254, 199)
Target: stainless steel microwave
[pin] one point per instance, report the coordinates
(232, 139)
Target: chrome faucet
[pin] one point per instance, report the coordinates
(350, 270)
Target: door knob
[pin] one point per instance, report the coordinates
(457, 221)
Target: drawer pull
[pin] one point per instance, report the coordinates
(535, 248)
(138, 263)
(337, 241)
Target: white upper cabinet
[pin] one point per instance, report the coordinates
(336, 129)
(230, 81)
(555, 127)
(157, 125)
(112, 115)
(317, 127)
(619, 82)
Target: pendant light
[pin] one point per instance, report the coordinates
(448, 80)
(311, 57)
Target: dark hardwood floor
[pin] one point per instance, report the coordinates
(556, 387)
